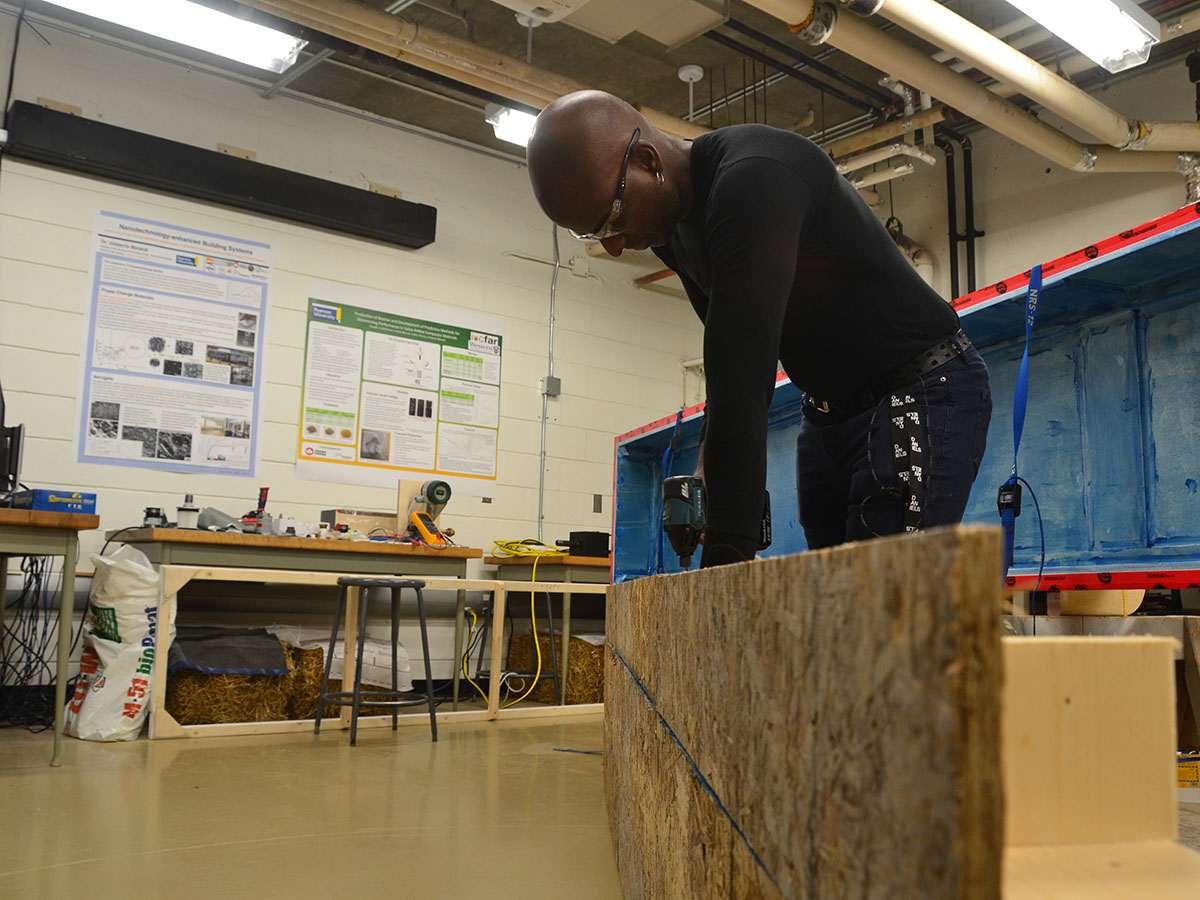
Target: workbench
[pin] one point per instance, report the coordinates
(28, 532)
(236, 550)
(560, 569)
(175, 577)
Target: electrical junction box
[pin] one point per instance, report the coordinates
(55, 501)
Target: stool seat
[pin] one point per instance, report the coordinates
(377, 581)
(352, 678)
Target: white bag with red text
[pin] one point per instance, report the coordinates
(112, 694)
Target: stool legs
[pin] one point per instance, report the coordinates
(337, 620)
(428, 671)
(363, 597)
(395, 652)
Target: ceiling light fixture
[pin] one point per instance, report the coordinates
(512, 125)
(1115, 34)
(197, 26)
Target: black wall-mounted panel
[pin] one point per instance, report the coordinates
(96, 148)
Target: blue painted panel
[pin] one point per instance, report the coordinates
(1112, 433)
(1051, 447)
(1172, 348)
(1113, 436)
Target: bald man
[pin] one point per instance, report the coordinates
(783, 261)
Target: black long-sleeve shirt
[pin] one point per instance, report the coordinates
(783, 260)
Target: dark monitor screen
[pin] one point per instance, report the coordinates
(12, 440)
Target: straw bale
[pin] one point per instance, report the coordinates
(843, 707)
(194, 698)
(585, 667)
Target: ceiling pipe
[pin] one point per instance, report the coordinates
(807, 62)
(864, 139)
(953, 238)
(820, 23)
(1076, 63)
(880, 154)
(443, 54)
(883, 175)
(793, 71)
(970, 43)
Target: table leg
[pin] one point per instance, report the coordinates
(566, 644)
(3, 591)
(354, 596)
(66, 613)
(460, 608)
(496, 667)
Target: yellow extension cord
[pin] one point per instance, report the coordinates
(503, 549)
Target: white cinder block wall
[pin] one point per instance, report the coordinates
(617, 349)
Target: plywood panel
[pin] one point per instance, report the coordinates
(1089, 740)
(820, 725)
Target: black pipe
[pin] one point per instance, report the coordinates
(788, 69)
(807, 61)
(969, 211)
(1193, 67)
(969, 230)
(951, 211)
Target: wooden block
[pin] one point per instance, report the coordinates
(385, 190)
(1089, 740)
(1096, 603)
(842, 709)
(58, 106)
(1142, 870)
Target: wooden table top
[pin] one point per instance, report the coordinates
(267, 541)
(597, 561)
(38, 518)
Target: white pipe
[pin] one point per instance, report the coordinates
(970, 43)
(879, 154)
(883, 175)
(934, 22)
(545, 394)
(873, 136)
(886, 53)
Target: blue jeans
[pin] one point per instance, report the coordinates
(846, 475)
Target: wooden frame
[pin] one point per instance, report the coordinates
(175, 578)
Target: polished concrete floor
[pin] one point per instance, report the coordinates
(490, 810)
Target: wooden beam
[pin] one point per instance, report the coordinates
(1089, 738)
(815, 726)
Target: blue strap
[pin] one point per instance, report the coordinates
(1008, 517)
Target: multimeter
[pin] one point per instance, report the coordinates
(426, 528)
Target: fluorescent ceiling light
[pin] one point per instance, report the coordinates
(197, 26)
(1116, 34)
(510, 125)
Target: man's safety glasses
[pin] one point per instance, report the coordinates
(609, 227)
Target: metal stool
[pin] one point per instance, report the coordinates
(391, 698)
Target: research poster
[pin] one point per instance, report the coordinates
(397, 388)
(174, 354)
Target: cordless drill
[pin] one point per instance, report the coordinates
(685, 513)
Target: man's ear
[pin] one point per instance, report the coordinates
(646, 155)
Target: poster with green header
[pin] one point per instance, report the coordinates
(397, 388)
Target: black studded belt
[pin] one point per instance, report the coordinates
(924, 362)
